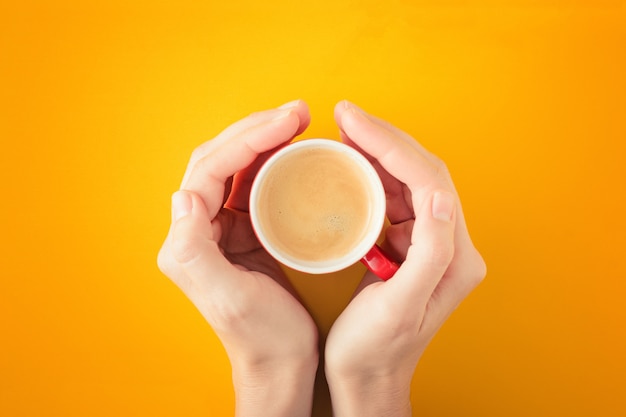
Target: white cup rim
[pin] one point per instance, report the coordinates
(377, 215)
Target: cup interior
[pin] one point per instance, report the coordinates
(376, 208)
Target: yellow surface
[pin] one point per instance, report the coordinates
(101, 103)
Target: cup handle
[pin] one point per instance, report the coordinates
(379, 263)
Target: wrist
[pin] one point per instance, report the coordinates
(274, 389)
(372, 395)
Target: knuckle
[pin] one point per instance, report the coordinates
(442, 168)
(229, 316)
(441, 254)
(203, 161)
(165, 261)
(197, 153)
(209, 166)
(255, 114)
(184, 249)
(434, 255)
(231, 313)
(473, 269)
(201, 150)
(438, 162)
(478, 269)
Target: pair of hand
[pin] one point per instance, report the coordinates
(371, 352)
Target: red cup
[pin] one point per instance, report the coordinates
(379, 263)
(364, 250)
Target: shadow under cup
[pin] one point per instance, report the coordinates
(318, 206)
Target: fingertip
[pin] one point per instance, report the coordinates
(300, 108)
(296, 122)
(346, 108)
(338, 111)
(354, 120)
(290, 105)
(304, 116)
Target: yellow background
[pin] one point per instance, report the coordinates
(102, 102)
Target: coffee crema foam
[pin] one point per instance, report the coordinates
(315, 204)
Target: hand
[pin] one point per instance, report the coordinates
(212, 254)
(374, 345)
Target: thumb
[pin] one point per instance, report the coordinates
(193, 245)
(431, 250)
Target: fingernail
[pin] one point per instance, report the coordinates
(351, 106)
(290, 105)
(358, 112)
(281, 114)
(181, 204)
(443, 206)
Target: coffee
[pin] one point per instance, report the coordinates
(315, 204)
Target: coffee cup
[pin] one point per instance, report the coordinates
(318, 206)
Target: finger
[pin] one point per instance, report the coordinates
(379, 138)
(297, 106)
(239, 197)
(344, 105)
(400, 159)
(399, 207)
(227, 157)
(193, 246)
(397, 240)
(399, 202)
(454, 287)
(430, 253)
(395, 154)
